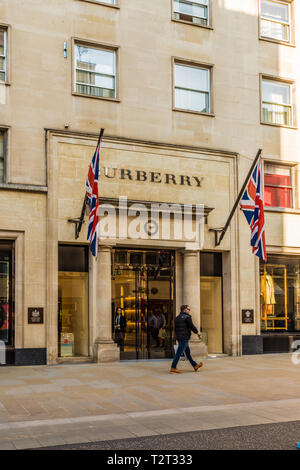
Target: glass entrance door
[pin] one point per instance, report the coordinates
(143, 288)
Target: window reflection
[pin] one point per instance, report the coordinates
(280, 294)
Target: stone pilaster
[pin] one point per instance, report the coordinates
(191, 296)
(105, 348)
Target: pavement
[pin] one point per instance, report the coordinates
(42, 406)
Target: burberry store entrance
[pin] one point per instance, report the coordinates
(143, 292)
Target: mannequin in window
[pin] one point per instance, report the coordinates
(268, 293)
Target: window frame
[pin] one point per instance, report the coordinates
(103, 3)
(291, 167)
(291, 41)
(209, 18)
(102, 46)
(6, 28)
(5, 131)
(285, 81)
(195, 64)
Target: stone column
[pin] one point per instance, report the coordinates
(105, 348)
(191, 296)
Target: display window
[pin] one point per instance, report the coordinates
(6, 313)
(73, 321)
(280, 294)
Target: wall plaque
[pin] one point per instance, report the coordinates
(35, 315)
(248, 316)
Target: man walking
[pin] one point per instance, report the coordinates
(183, 328)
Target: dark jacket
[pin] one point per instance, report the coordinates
(122, 324)
(184, 326)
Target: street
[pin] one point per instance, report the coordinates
(279, 436)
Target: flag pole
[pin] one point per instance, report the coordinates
(224, 229)
(78, 222)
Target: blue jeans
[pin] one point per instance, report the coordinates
(183, 346)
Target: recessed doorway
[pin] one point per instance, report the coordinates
(143, 288)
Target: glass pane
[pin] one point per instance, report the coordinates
(274, 10)
(73, 324)
(273, 30)
(136, 259)
(277, 197)
(2, 42)
(211, 312)
(193, 78)
(2, 76)
(191, 9)
(93, 79)
(280, 293)
(1, 144)
(276, 92)
(192, 100)
(73, 258)
(6, 312)
(94, 91)
(97, 60)
(276, 114)
(2, 63)
(211, 264)
(1, 171)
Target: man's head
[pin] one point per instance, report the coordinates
(119, 311)
(185, 308)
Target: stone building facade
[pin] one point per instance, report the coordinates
(187, 92)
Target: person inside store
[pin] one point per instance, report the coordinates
(153, 326)
(162, 327)
(120, 328)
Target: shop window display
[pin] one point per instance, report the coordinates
(280, 294)
(73, 324)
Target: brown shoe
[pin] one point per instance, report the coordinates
(198, 366)
(176, 371)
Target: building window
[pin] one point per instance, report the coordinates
(280, 294)
(278, 189)
(2, 155)
(195, 11)
(3, 55)
(277, 105)
(275, 20)
(192, 88)
(95, 71)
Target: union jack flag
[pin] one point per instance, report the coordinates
(252, 204)
(93, 200)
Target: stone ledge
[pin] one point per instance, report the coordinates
(24, 187)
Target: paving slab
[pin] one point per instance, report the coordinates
(94, 402)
